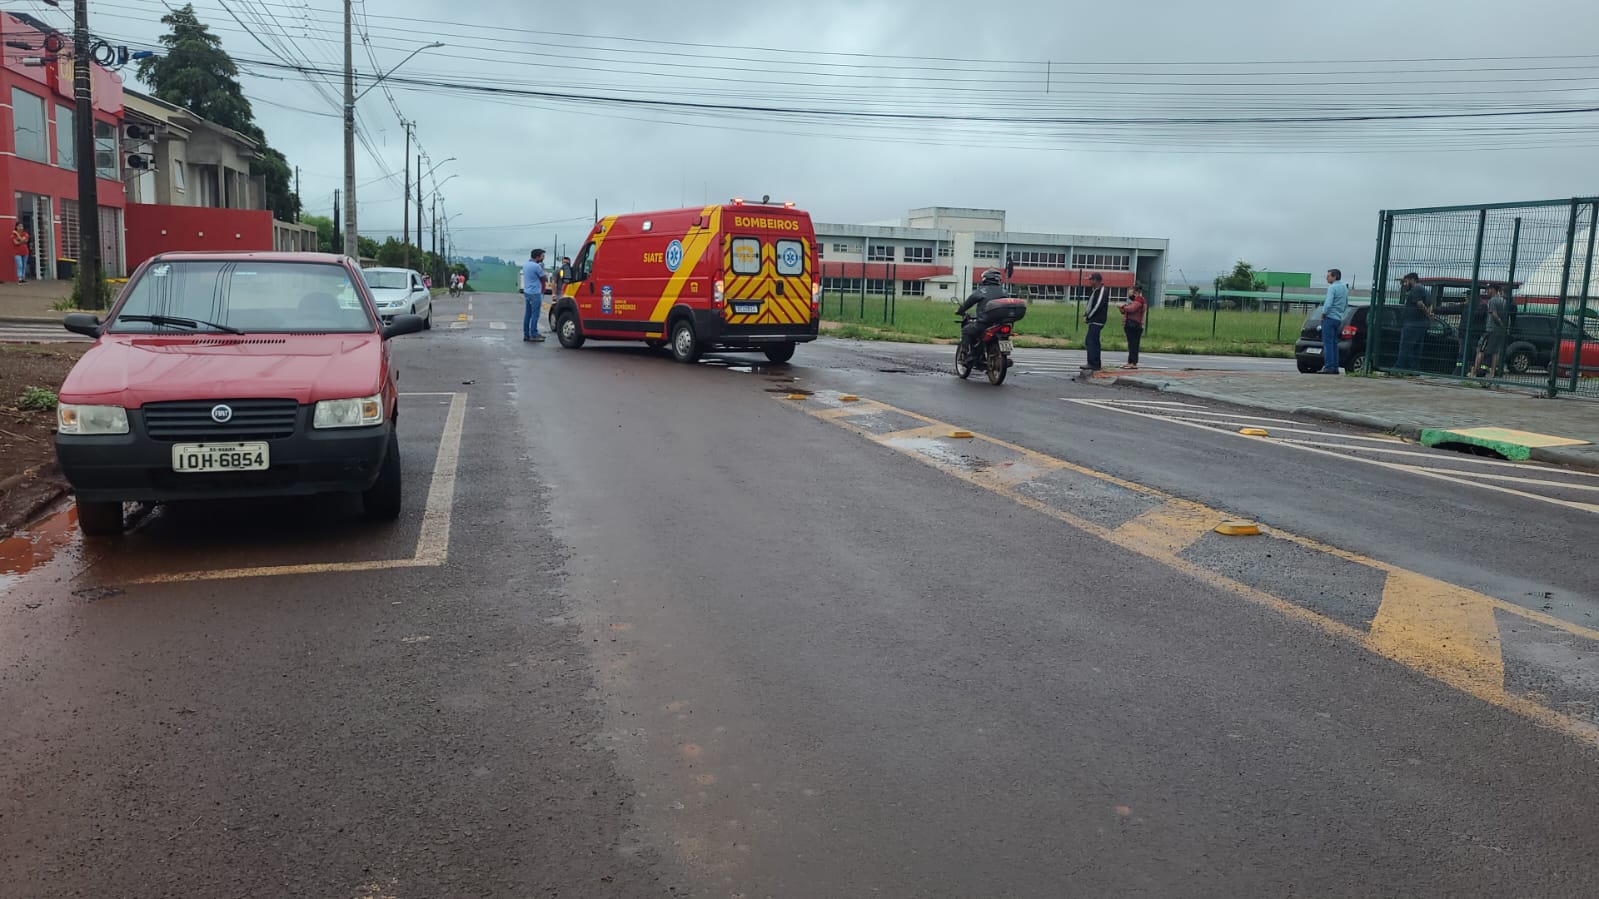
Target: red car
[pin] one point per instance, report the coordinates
(224, 375)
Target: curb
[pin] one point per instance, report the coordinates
(1406, 429)
(31, 319)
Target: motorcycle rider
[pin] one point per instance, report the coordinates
(991, 286)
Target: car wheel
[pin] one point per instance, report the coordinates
(1357, 362)
(1306, 366)
(100, 519)
(685, 345)
(781, 352)
(382, 499)
(427, 323)
(568, 332)
(1519, 362)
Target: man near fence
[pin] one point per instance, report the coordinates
(1494, 340)
(1334, 310)
(1098, 307)
(1413, 322)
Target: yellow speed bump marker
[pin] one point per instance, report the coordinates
(1238, 529)
(798, 396)
(849, 398)
(1253, 432)
(961, 435)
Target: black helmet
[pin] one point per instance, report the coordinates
(993, 276)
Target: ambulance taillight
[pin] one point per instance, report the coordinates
(816, 298)
(716, 296)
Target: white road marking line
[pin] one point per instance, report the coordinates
(458, 326)
(496, 326)
(1435, 457)
(1305, 446)
(433, 540)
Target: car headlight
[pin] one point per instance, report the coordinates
(74, 419)
(357, 413)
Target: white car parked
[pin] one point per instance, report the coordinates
(399, 291)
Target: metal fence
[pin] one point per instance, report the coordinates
(1539, 254)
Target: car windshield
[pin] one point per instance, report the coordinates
(387, 280)
(251, 296)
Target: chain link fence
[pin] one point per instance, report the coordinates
(1504, 292)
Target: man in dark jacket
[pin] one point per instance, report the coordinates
(1098, 308)
(991, 287)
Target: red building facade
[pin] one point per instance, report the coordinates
(38, 158)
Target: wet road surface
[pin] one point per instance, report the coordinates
(648, 629)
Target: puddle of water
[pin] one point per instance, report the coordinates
(28, 549)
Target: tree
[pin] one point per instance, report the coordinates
(367, 247)
(1242, 278)
(197, 74)
(324, 231)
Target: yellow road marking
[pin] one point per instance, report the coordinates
(1444, 631)
(433, 540)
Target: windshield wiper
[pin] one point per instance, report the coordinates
(178, 322)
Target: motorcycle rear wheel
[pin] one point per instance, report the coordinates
(997, 367)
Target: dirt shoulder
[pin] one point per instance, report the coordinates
(29, 477)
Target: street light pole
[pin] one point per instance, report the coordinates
(351, 247)
(89, 278)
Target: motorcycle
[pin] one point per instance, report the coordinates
(991, 348)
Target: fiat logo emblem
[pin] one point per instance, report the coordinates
(221, 414)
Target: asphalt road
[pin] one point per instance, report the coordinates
(691, 637)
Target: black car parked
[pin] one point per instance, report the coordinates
(1440, 348)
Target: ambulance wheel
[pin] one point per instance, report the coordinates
(781, 352)
(568, 332)
(685, 345)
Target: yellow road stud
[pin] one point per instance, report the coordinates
(1238, 529)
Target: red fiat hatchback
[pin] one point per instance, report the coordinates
(226, 375)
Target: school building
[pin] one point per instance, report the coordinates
(940, 252)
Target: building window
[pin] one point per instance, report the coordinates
(177, 175)
(66, 138)
(913, 288)
(946, 252)
(880, 254)
(105, 151)
(878, 286)
(843, 248)
(69, 229)
(1038, 259)
(27, 112)
(821, 250)
(1116, 294)
(842, 285)
(1040, 291)
(985, 253)
(1106, 262)
(922, 255)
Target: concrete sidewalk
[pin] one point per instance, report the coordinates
(33, 301)
(1404, 406)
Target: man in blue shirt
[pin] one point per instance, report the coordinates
(532, 296)
(1334, 310)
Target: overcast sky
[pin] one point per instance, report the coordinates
(1300, 195)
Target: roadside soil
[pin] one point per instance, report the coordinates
(29, 477)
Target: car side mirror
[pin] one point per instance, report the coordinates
(402, 325)
(82, 323)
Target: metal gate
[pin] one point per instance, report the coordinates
(1539, 255)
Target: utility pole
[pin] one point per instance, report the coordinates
(297, 192)
(405, 202)
(435, 230)
(89, 277)
(418, 202)
(338, 233)
(352, 246)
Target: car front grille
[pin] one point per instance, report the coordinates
(253, 419)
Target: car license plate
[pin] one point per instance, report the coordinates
(1004, 346)
(207, 457)
(746, 308)
(1313, 350)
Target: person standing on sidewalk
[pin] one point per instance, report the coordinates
(21, 248)
(1334, 310)
(1413, 325)
(1133, 325)
(532, 296)
(1098, 309)
(1493, 342)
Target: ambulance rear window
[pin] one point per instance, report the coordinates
(746, 256)
(790, 257)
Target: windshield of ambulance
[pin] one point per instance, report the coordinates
(255, 297)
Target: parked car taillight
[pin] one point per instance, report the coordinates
(1348, 333)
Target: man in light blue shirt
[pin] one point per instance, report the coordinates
(1334, 310)
(532, 296)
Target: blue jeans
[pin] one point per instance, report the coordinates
(22, 268)
(530, 316)
(1410, 337)
(1091, 343)
(1329, 343)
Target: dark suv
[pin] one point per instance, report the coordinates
(1440, 348)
